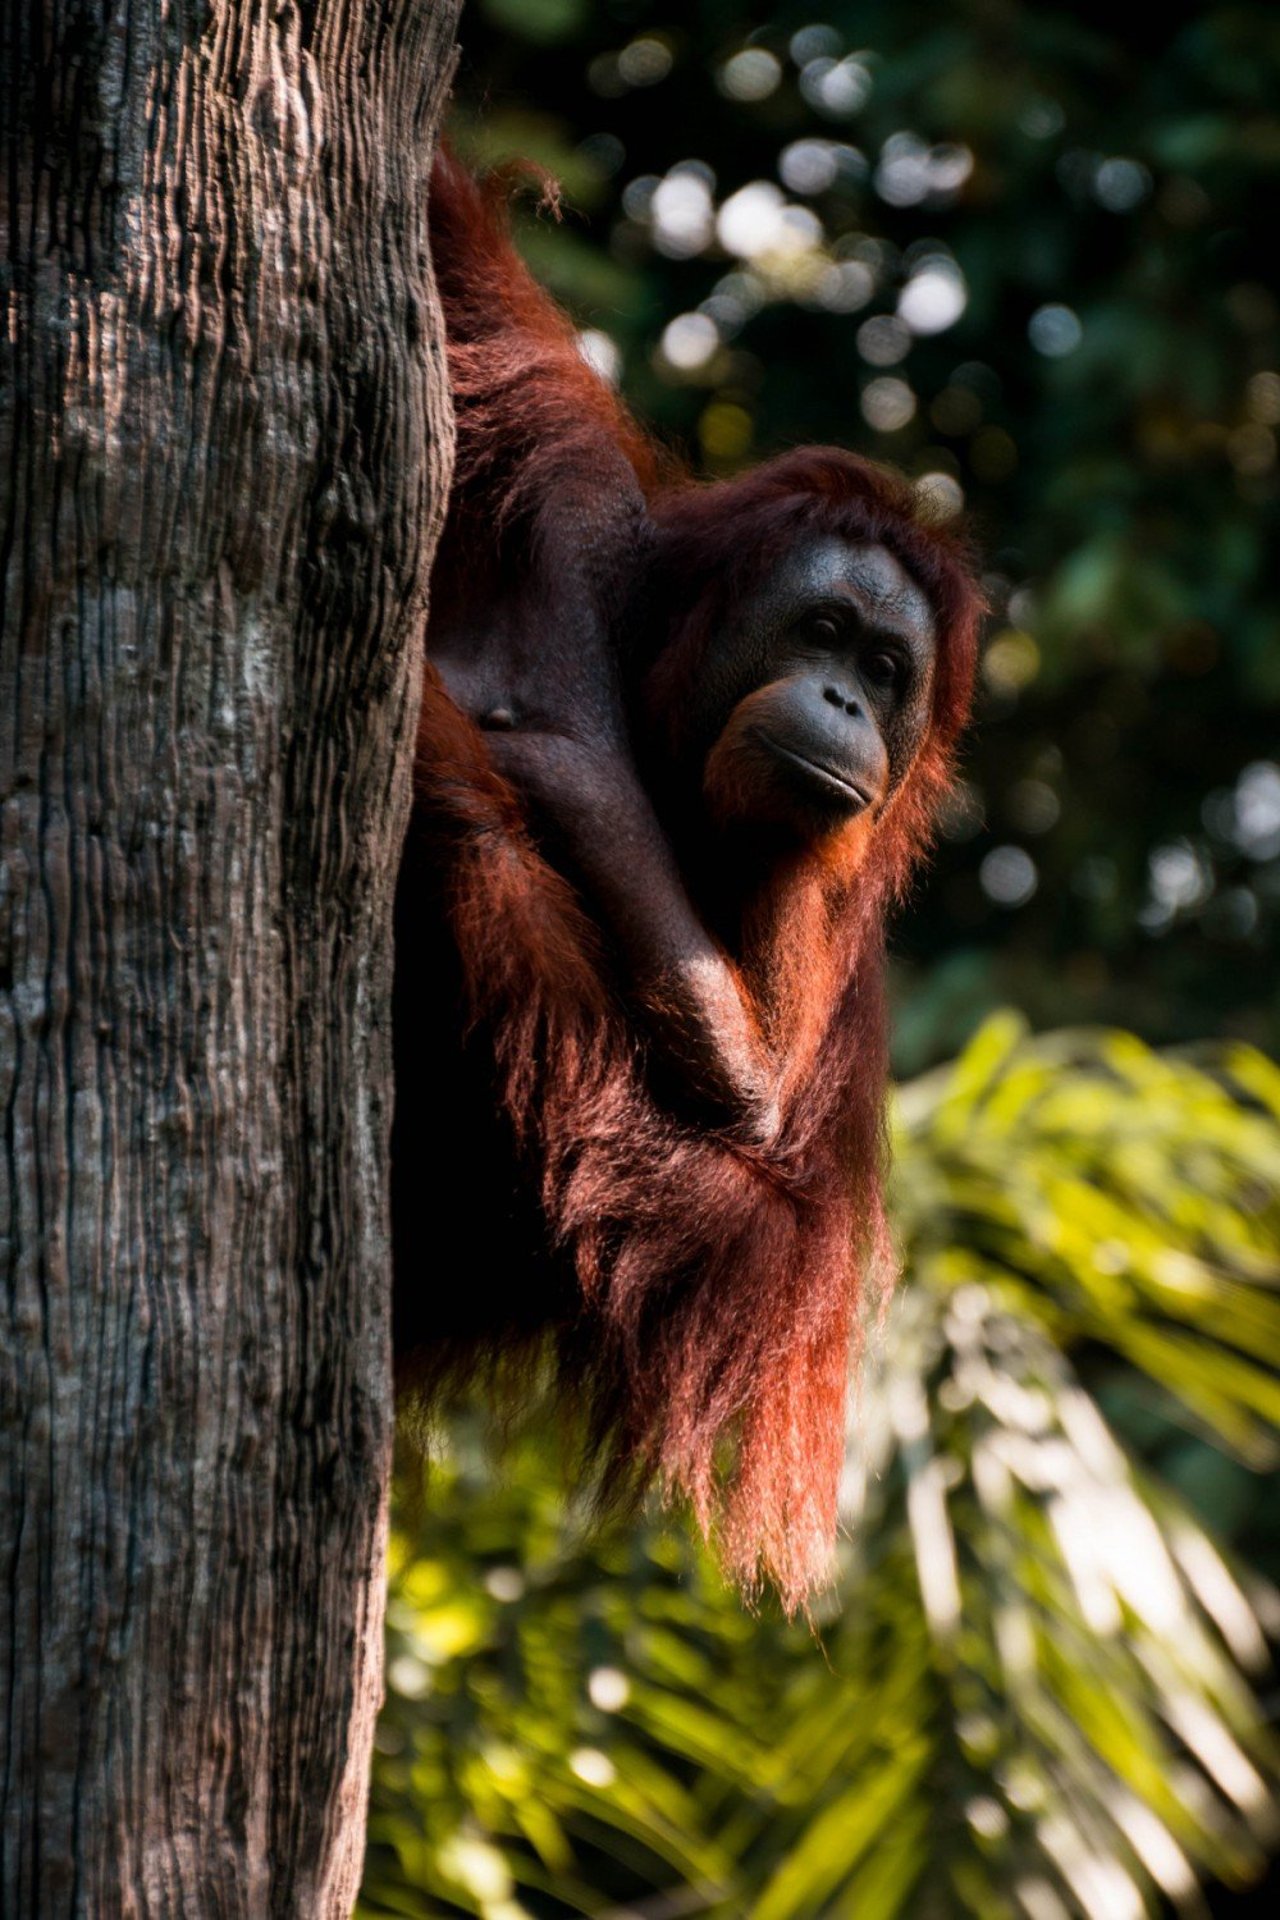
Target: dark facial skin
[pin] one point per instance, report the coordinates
(815, 694)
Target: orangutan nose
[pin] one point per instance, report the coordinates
(845, 701)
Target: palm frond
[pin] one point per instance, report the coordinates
(1034, 1691)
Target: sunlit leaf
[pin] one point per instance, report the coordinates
(1038, 1670)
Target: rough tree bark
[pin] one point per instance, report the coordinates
(224, 451)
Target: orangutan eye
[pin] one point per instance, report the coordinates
(883, 668)
(826, 628)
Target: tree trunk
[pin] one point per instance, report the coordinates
(224, 453)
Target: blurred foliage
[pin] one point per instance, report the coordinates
(1027, 253)
(1033, 1690)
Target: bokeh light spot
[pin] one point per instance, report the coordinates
(809, 166)
(887, 404)
(689, 341)
(1008, 876)
(757, 220)
(1041, 119)
(608, 1688)
(934, 298)
(505, 1584)
(1120, 185)
(911, 170)
(1033, 806)
(681, 210)
(725, 430)
(593, 1768)
(1262, 398)
(940, 494)
(846, 286)
(813, 43)
(1011, 662)
(752, 74)
(835, 87)
(644, 62)
(602, 352)
(1257, 810)
(883, 340)
(1177, 876)
(1054, 330)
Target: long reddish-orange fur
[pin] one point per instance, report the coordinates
(716, 1283)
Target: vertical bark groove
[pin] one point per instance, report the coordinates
(224, 453)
